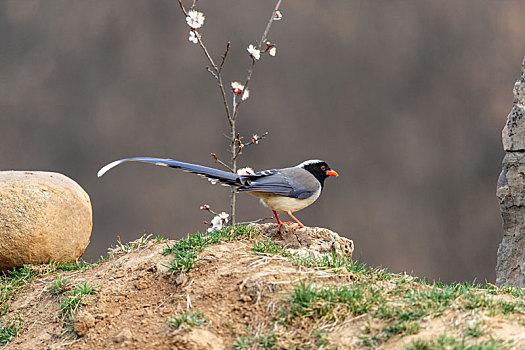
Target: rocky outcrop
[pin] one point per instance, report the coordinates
(311, 242)
(44, 217)
(510, 268)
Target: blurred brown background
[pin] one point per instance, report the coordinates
(405, 99)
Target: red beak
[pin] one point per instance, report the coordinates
(331, 173)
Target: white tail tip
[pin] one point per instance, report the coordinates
(109, 166)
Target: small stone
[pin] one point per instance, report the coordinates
(84, 322)
(123, 336)
(142, 284)
(44, 217)
(181, 279)
(200, 339)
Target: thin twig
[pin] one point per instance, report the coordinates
(201, 44)
(217, 75)
(269, 25)
(263, 39)
(224, 56)
(211, 72)
(217, 160)
(253, 141)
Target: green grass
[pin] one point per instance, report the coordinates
(329, 303)
(266, 246)
(11, 281)
(187, 320)
(10, 328)
(59, 285)
(396, 303)
(185, 251)
(399, 308)
(474, 331)
(444, 342)
(256, 341)
(70, 297)
(16, 278)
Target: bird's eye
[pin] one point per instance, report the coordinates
(323, 168)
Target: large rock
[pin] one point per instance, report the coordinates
(510, 268)
(312, 242)
(44, 217)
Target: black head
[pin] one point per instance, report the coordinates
(319, 169)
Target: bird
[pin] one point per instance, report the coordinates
(285, 190)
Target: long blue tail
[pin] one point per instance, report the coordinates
(219, 175)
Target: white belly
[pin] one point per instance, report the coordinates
(285, 204)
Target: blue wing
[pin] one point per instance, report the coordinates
(273, 181)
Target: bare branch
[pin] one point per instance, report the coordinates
(214, 213)
(224, 99)
(182, 7)
(216, 73)
(217, 160)
(211, 72)
(201, 44)
(224, 56)
(256, 140)
(269, 25)
(263, 39)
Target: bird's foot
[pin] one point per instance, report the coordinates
(297, 226)
(283, 223)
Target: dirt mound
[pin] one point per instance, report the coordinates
(248, 292)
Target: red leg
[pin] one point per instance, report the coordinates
(299, 224)
(278, 221)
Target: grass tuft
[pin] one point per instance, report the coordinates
(187, 320)
(256, 341)
(185, 251)
(10, 328)
(448, 342)
(71, 297)
(142, 241)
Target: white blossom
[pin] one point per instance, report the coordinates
(194, 37)
(270, 48)
(218, 222)
(277, 16)
(195, 19)
(246, 94)
(254, 52)
(238, 89)
(245, 171)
